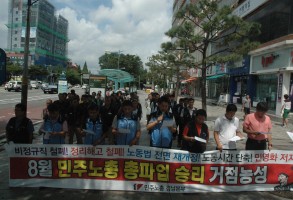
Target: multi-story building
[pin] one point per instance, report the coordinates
(269, 73)
(48, 33)
(266, 73)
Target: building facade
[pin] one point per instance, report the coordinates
(270, 66)
(48, 33)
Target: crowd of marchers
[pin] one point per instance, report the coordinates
(116, 120)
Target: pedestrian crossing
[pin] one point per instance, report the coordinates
(30, 98)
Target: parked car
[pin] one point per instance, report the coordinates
(14, 85)
(34, 84)
(69, 85)
(44, 85)
(77, 86)
(50, 88)
(84, 86)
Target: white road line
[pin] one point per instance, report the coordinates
(33, 98)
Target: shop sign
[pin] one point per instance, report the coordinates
(247, 7)
(221, 69)
(267, 60)
(280, 86)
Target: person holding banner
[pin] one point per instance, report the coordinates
(54, 130)
(19, 129)
(126, 127)
(196, 133)
(93, 129)
(258, 128)
(226, 128)
(162, 125)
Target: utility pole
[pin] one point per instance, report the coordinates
(24, 86)
(119, 52)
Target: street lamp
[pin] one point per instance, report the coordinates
(24, 86)
(119, 52)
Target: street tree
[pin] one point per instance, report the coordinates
(13, 69)
(85, 69)
(161, 70)
(126, 62)
(37, 72)
(206, 25)
(72, 76)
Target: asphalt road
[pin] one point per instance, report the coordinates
(7, 192)
(36, 103)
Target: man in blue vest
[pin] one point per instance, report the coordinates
(162, 125)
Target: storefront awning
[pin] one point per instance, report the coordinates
(215, 76)
(117, 75)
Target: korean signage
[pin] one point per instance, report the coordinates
(62, 86)
(274, 60)
(147, 169)
(280, 87)
(247, 7)
(98, 83)
(267, 60)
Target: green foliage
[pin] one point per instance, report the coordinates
(203, 26)
(161, 68)
(85, 69)
(14, 69)
(36, 71)
(72, 76)
(129, 63)
(206, 24)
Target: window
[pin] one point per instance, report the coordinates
(15, 39)
(15, 32)
(266, 89)
(16, 19)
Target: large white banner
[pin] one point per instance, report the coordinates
(148, 169)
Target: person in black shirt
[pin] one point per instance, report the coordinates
(107, 116)
(19, 129)
(196, 128)
(74, 114)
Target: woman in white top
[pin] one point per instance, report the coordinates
(286, 110)
(148, 107)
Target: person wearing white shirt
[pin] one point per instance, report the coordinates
(227, 127)
(286, 110)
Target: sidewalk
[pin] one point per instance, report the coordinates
(280, 140)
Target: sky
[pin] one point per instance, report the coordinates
(134, 27)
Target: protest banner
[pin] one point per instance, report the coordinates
(148, 169)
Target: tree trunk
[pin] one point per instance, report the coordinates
(203, 86)
(177, 82)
